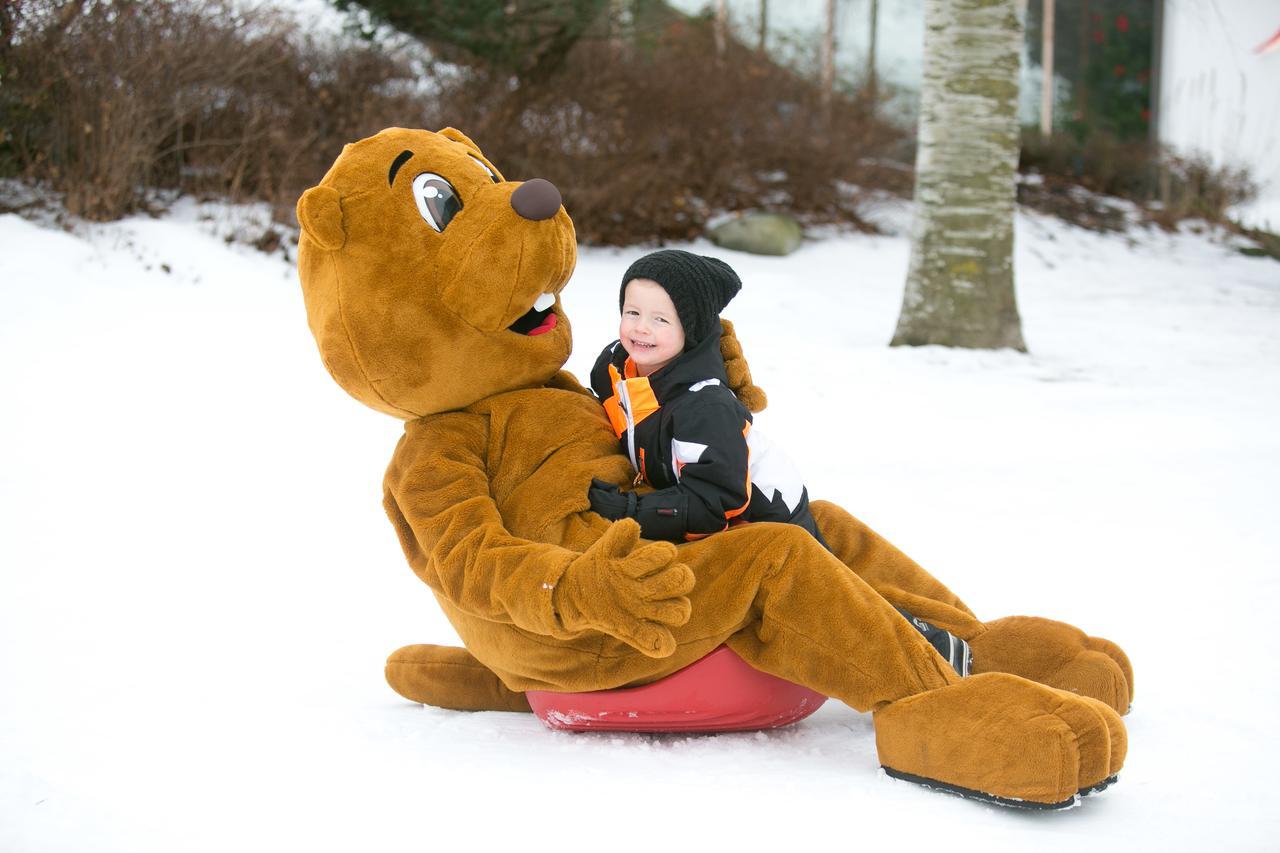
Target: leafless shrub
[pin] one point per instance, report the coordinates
(106, 102)
(1166, 188)
(647, 142)
(1194, 188)
(1069, 201)
(109, 101)
(1265, 243)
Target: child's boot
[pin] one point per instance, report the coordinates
(954, 650)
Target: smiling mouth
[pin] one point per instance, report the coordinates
(539, 319)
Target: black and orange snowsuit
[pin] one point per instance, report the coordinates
(691, 439)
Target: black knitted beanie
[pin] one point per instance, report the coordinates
(699, 287)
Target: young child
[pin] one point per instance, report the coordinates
(664, 387)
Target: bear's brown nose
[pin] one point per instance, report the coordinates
(536, 199)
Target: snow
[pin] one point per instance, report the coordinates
(198, 586)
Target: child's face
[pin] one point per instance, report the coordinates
(650, 330)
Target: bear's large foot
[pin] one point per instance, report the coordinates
(1056, 654)
(449, 677)
(1003, 739)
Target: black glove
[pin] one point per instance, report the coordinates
(664, 515)
(610, 501)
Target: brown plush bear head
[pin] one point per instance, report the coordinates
(430, 281)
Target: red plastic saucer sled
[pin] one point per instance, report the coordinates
(719, 693)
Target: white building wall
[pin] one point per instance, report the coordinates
(1218, 97)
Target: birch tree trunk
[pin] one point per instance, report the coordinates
(960, 282)
(721, 26)
(827, 57)
(620, 26)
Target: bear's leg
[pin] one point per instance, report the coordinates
(1056, 654)
(788, 607)
(817, 624)
(1053, 653)
(892, 573)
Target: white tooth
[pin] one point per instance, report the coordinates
(544, 302)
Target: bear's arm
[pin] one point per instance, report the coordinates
(739, 373)
(436, 493)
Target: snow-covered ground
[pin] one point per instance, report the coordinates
(198, 586)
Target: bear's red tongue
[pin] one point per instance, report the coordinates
(545, 326)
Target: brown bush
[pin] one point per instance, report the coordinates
(1167, 188)
(647, 142)
(1194, 188)
(109, 101)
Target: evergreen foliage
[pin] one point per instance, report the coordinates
(1103, 51)
(530, 39)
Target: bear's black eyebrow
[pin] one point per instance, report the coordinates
(401, 158)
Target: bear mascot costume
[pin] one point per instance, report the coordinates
(433, 290)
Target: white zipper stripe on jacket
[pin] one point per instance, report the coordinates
(624, 398)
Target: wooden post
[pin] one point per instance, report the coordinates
(721, 26)
(827, 83)
(872, 82)
(1162, 188)
(620, 26)
(1046, 67)
(1081, 90)
(1157, 71)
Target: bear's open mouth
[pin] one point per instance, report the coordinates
(537, 320)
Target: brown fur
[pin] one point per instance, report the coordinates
(487, 491)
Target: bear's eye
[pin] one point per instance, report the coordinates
(487, 170)
(437, 201)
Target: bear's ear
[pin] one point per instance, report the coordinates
(458, 136)
(320, 215)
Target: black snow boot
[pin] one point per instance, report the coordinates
(953, 649)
